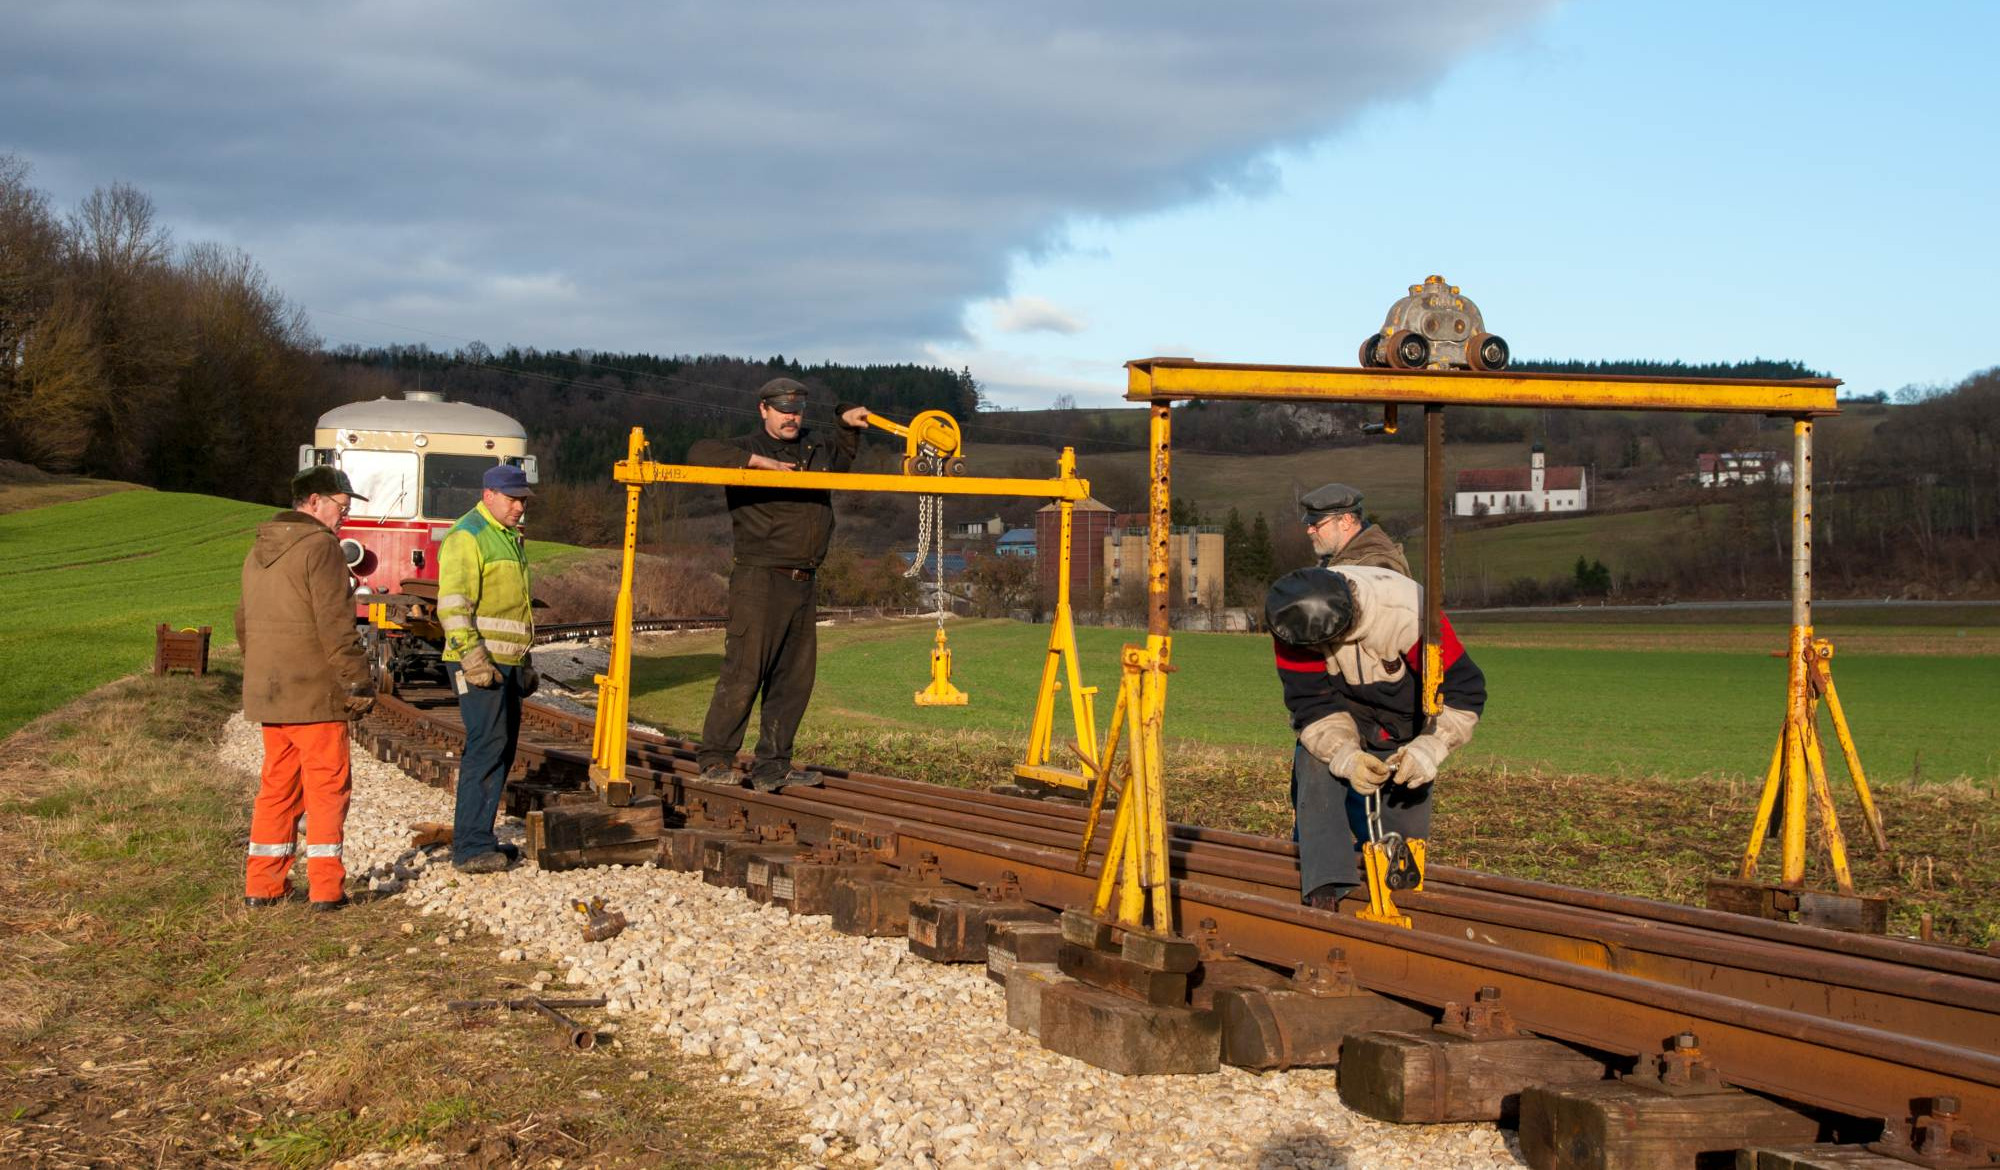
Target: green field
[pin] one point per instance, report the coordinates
(84, 582)
(1706, 703)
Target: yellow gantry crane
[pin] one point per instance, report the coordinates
(1797, 769)
(933, 467)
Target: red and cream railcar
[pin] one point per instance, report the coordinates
(419, 460)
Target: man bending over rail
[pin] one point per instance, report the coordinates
(483, 605)
(304, 676)
(781, 535)
(1351, 661)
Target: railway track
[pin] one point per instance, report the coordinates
(1881, 1038)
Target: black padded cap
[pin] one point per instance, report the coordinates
(1328, 500)
(1309, 608)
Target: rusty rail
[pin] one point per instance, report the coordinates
(1862, 1025)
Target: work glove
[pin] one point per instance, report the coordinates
(478, 667)
(1336, 742)
(360, 699)
(1416, 762)
(528, 680)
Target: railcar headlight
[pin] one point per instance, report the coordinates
(351, 550)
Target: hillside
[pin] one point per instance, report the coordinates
(87, 580)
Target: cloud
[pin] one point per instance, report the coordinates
(793, 176)
(1025, 314)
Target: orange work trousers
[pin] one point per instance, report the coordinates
(306, 772)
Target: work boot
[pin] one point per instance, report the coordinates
(494, 862)
(331, 906)
(768, 782)
(718, 774)
(803, 778)
(1328, 896)
(251, 900)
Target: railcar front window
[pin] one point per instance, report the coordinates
(387, 478)
(451, 484)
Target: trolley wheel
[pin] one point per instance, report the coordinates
(381, 663)
(1486, 351)
(1408, 350)
(957, 467)
(909, 465)
(1371, 351)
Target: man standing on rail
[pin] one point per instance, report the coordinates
(304, 677)
(1350, 658)
(781, 537)
(1332, 516)
(483, 605)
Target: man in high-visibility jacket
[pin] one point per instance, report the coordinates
(483, 605)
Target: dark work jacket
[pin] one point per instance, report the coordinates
(782, 528)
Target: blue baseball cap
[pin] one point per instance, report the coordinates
(508, 480)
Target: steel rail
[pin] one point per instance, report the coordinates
(1887, 1025)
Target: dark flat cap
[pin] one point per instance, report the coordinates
(1329, 500)
(321, 480)
(783, 394)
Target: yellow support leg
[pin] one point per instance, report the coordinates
(1767, 802)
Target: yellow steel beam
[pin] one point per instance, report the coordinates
(643, 472)
(1168, 379)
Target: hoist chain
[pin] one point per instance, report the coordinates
(930, 529)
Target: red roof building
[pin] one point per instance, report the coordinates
(1495, 491)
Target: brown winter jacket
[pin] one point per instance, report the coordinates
(301, 652)
(1370, 546)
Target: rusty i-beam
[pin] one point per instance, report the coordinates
(1797, 771)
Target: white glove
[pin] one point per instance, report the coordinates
(1336, 742)
(1416, 762)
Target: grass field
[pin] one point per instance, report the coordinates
(1682, 702)
(90, 579)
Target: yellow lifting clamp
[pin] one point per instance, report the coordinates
(933, 445)
(941, 693)
(1392, 862)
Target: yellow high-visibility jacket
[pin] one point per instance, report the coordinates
(483, 589)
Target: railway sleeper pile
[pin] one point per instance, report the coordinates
(1612, 1032)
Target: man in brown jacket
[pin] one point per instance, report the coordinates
(1332, 516)
(304, 677)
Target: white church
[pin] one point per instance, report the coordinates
(1498, 491)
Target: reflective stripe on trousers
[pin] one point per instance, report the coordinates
(259, 849)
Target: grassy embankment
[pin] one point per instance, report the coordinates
(148, 1018)
(86, 580)
(1619, 757)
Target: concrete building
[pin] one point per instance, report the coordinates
(1498, 491)
(1195, 552)
(1089, 521)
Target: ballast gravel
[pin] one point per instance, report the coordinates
(894, 1061)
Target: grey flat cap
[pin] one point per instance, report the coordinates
(1328, 500)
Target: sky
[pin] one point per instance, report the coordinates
(1042, 192)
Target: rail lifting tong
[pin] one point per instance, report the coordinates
(1392, 862)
